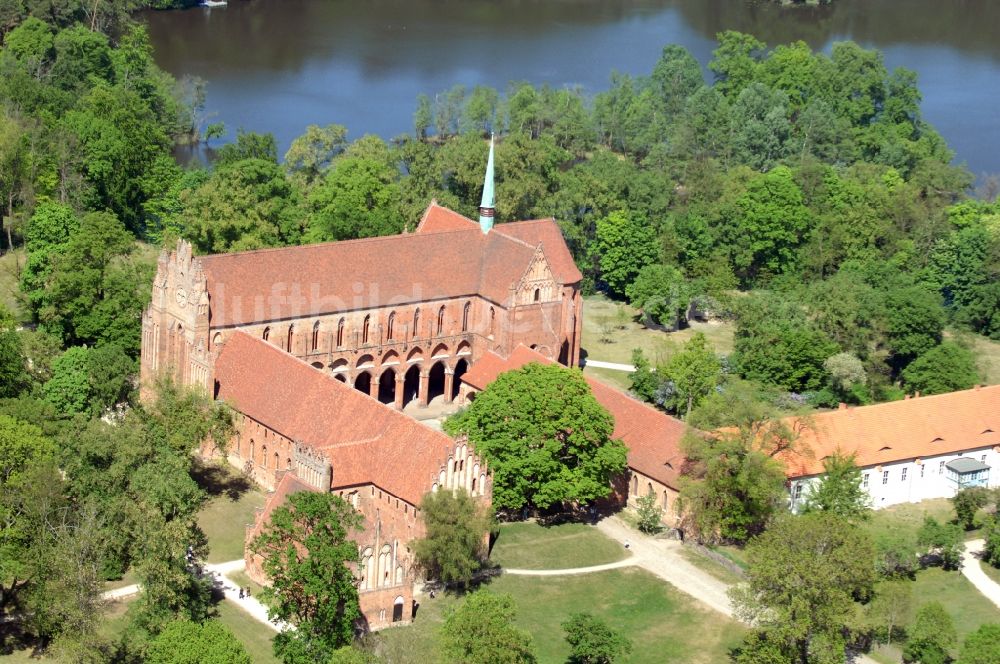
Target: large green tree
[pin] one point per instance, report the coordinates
(695, 371)
(482, 629)
(982, 646)
(624, 244)
(944, 368)
(545, 436)
(805, 577)
(185, 642)
(730, 488)
(307, 553)
(839, 490)
(932, 636)
(593, 642)
(457, 526)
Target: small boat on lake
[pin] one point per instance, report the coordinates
(213, 3)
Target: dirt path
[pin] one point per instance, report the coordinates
(972, 570)
(631, 561)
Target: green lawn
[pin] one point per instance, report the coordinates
(990, 570)
(230, 508)
(256, 638)
(241, 579)
(664, 624)
(656, 345)
(987, 356)
(910, 516)
(616, 379)
(966, 606)
(706, 564)
(734, 553)
(529, 545)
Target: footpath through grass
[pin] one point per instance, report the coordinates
(664, 624)
(528, 545)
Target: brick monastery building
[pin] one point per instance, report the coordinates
(319, 348)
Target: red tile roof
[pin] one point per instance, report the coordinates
(913, 428)
(652, 437)
(365, 441)
(287, 485)
(447, 257)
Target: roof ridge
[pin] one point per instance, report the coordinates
(352, 241)
(907, 399)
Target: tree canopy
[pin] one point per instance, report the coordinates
(545, 436)
(307, 554)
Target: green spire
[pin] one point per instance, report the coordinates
(486, 209)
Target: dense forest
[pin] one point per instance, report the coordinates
(799, 194)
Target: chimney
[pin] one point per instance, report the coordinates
(842, 406)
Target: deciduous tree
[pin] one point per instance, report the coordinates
(308, 555)
(839, 490)
(593, 641)
(804, 579)
(185, 642)
(453, 548)
(482, 629)
(546, 438)
(932, 636)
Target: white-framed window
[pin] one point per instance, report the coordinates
(885, 477)
(941, 468)
(864, 480)
(798, 491)
(902, 475)
(922, 469)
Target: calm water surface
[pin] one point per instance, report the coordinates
(279, 65)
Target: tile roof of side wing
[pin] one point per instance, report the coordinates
(899, 430)
(652, 437)
(365, 441)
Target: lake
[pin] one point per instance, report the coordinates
(279, 65)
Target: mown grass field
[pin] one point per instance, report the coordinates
(256, 638)
(664, 624)
(657, 346)
(529, 545)
(231, 503)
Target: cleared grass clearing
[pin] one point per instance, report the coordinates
(230, 508)
(254, 636)
(664, 625)
(629, 333)
(529, 545)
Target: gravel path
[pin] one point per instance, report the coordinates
(972, 570)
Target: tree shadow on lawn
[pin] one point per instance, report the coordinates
(218, 480)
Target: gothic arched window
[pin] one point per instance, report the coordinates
(465, 316)
(440, 327)
(315, 337)
(493, 318)
(340, 333)
(364, 329)
(291, 337)
(267, 334)
(388, 328)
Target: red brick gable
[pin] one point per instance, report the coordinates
(366, 441)
(448, 257)
(652, 437)
(909, 429)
